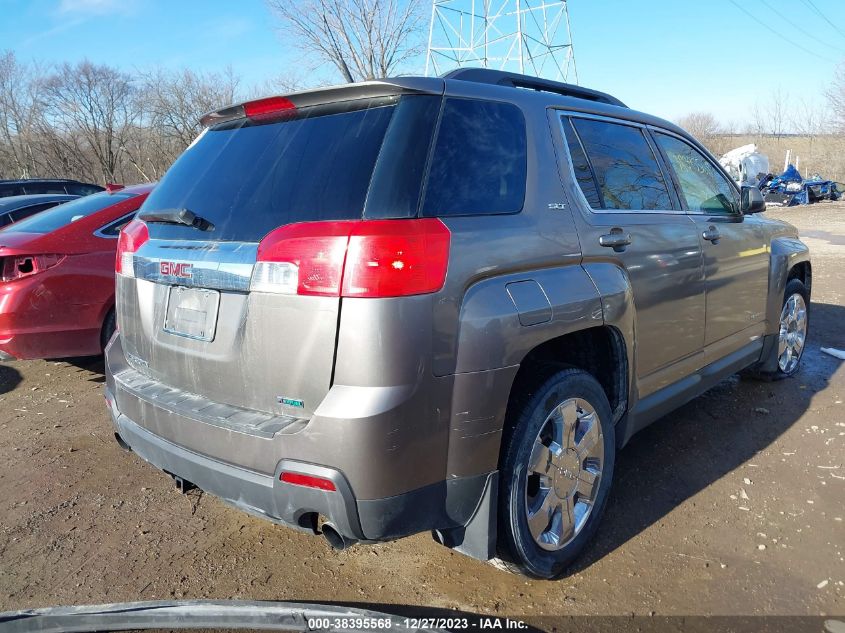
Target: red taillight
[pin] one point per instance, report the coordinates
(267, 107)
(111, 187)
(309, 481)
(132, 237)
(305, 259)
(394, 258)
(363, 258)
(19, 266)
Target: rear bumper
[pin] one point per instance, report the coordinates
(258, 494)
(177, 443)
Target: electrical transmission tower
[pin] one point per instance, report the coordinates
(524, 36)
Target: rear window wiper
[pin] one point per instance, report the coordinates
(176, 216)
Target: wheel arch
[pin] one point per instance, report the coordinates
(789, 259)
(601, 351)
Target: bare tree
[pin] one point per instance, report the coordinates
(772, 115)
(171, 104)
(362, 39)
(809, 119)
(90, 110)
(836, 98)
(175, 101)
(702, 125)
(20, 113)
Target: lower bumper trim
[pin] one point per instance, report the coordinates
(256, 493)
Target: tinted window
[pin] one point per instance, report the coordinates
(479, 160)
(581, 166)
(113, 229)
(62, 215)
(44, 187)
(399, 172)
(625, 168)
(11, 190)
(25, 212)
(82, 190)
(703, 187)
(248, 178)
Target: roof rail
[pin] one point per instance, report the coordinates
(515, 80)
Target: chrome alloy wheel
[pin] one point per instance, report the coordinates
(793, 333)
(564, 471)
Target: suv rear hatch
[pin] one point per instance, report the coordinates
(197, 314)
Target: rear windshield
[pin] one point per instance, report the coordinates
(62, 215)
(247, 178)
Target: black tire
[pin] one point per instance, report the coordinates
(527, 415)
(793, 287)
(109, 326)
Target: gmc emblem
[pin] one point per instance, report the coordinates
(176, 269)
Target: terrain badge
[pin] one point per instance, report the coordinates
(291, 402)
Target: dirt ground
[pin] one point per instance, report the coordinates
(732, 505)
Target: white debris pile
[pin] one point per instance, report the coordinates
(746, 164)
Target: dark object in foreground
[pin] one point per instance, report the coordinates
(204, 614)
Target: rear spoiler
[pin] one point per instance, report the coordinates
(332, 94)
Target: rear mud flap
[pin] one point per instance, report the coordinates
(477, 538)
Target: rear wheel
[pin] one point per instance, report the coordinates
(557, 469)
(109, 326)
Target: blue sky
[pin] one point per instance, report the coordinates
(665, 57)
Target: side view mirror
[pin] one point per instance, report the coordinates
(752, 201)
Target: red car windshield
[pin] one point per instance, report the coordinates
(62, 215)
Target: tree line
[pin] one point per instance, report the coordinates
(98, 123)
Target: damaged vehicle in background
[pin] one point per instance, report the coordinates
(57, 276)
(438, 304)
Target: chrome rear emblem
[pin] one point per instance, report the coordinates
(182, 270)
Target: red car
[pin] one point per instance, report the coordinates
(57, 276)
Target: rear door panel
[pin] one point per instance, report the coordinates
(662, 262)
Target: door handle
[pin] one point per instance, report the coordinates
(712, 235)
(617, 239)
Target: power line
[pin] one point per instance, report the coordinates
(793, 24)
(813, 6)
(781, 36)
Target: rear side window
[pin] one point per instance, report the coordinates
(113, 229)
(249, 177)
(63, 214)
(581, 166)
(479, 162)
(45, 187)
(81, 189)
(25, 212)
(626, 171)
(11, 190)
(703, 187)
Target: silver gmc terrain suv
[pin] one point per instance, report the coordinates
(438, 304)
